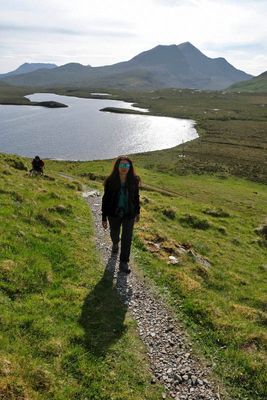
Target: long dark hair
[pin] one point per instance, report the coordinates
(114, 177)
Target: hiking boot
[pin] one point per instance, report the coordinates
(123, 267)
(115, 249)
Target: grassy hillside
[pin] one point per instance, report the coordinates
(63, 332)
(10, 95)
(219, 283)
(193, 209)
(51, 275)
(13, 95)
(255, 85)
(213, 227)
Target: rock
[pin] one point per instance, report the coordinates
(91, 193)
(199, 259)
(173, 260)
(169, 329)
(262, 231)
(178, 378)
(180, 250)
(152, 247)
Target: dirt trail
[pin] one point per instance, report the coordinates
(170, 354)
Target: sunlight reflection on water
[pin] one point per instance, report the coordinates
(82, 132)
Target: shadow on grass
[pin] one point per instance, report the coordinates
(103, 311)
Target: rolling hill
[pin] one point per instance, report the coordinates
(177, 66)
(257, 84)
(27, 68)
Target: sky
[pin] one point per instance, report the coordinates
(94, 32)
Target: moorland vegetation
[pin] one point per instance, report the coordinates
(203, 204)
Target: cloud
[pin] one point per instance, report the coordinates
(254, 47)
(177, 3)
(109, 31)
(34, 29)
(65, 31)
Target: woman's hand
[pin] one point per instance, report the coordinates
(104, 224)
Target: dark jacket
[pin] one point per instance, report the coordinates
(37, 164)
(111, 198)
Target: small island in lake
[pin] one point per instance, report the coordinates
(50, 104)
(122, 110)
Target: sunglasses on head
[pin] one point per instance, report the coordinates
(124, 165)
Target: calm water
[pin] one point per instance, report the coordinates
(82, 132)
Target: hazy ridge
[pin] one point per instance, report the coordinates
(177, 66)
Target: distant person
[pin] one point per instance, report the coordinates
(37, 165)
(120, 205)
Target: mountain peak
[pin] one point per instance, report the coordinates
(37, 65)
(185, 44)
(189, 48)
(174, 46)
(171, 65)
(161, 55)
(72, 66)
(166, 46)
(28, 68)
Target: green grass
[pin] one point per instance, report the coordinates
(223, 303)
(64, 333)
(202, 201)
(13, 95)
(257, 84)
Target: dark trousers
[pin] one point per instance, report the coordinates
(115, 225)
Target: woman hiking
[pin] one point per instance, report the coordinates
(120, 205)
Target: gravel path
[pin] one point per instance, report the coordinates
(171, 358)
